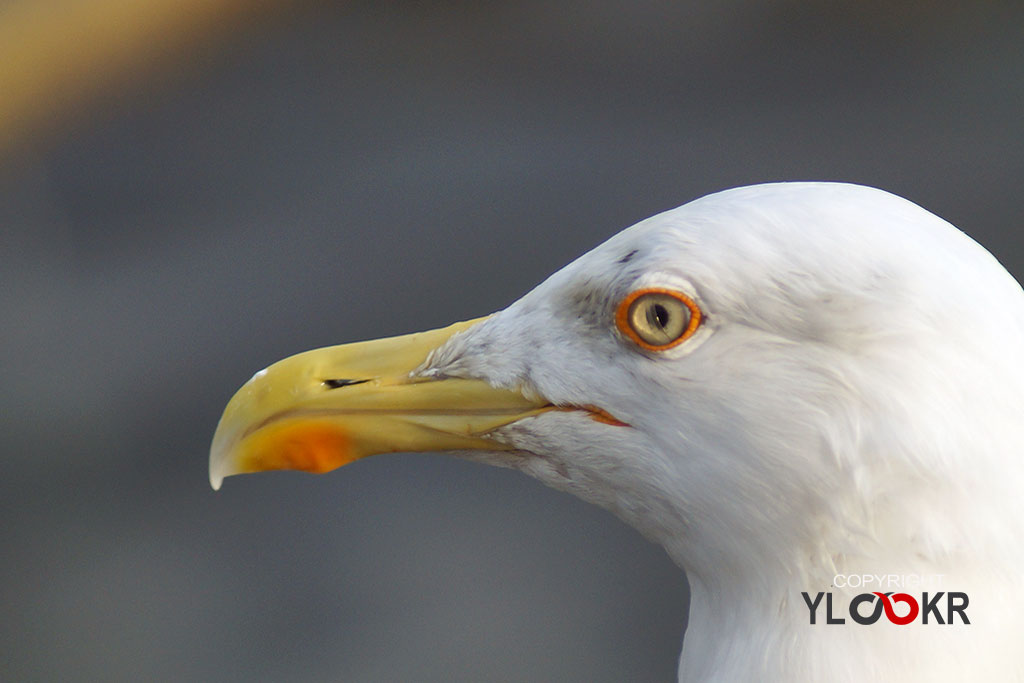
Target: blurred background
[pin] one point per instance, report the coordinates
(191, 190)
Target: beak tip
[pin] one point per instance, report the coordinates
(219, 462)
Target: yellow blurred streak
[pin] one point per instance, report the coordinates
(56, 56)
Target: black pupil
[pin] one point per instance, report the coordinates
(661, 315)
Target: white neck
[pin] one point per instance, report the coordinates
(758, 628)
(735, 637)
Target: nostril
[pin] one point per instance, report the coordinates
(338, 383)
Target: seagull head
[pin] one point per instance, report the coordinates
(773, 382)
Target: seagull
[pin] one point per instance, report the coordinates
(810, 394)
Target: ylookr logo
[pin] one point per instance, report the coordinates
(867, 608)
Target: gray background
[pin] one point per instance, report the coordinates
(366, 169)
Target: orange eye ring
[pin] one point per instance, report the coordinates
(657, 319)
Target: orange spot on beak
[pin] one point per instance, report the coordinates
(304, 445)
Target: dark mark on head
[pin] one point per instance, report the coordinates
(628, 257)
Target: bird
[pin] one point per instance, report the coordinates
(810, 394)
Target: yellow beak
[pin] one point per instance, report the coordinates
(325, 408)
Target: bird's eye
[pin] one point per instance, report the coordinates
(657, 319)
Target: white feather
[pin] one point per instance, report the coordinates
(853, 403)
